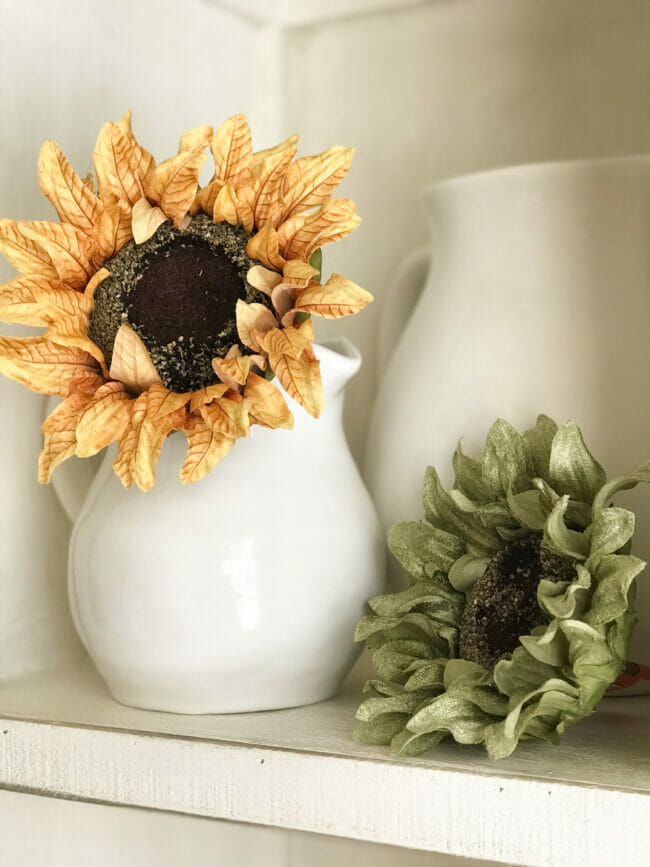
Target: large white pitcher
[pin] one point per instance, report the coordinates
(239, 592)
(537, 300)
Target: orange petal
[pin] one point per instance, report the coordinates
(145, 220)
(232, 371)
(151, 434)
(267, 181)
(232, 150)
(205, 448)
(93, 283)
(72, 331)
(19, 302)
(233, 206)
(298, 273)
(114, 228)
(59, 301)
(263, 279)
(310, 181)
(131, 363)
(121, 165)
(104, 419)
(207, 394)
(161, 402)
(23, 253)
(127, 444)
(60, 434)
(298, 375)
(283, 297)
(264, 246)
(47, 367)
(69, 250)
(251, 318)
(205, 198)
(338, 297)
(75, 203)
(173, 184)
(266, 405)
(226, 416)
(301, 235)
(195, 139)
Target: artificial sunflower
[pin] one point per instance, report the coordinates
(172, 307)
(519, 612)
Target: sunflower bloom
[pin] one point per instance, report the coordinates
(519, 611)
(169, 307)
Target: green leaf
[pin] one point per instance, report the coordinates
(612, 529)
(549, 645)
(372, 708)
(441, 511)
(573, 469)
(613, 575)
(405, 743)
(427, 675)
(466, 570)
(466, 722)
(316, 261)
(528, 508)
(422, 549)
(393, 659)
(562, 599)
(561, 540)
(622, 483)
(538, 441)
(468, 477)
(504, 459)
(381, 731)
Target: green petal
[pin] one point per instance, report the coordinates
(381, 731)
(528, 508)
(405, 743)
(564, 600)
(504, 459)
(422, 549)
(573, 469)
(469, 478)
(466, 570)
(442, 512)
(612, 530)
(613, 575)
(538, 441)
(465, 722)
(560, 539)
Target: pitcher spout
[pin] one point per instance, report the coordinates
(340, 361)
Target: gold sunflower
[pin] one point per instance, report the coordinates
(172, 307)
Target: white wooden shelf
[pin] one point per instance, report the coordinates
(585, 802)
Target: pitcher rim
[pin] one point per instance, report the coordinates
(459, 180)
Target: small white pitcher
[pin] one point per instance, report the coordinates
(537, 300)
(239, 592)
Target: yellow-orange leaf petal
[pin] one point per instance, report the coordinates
(310, 181)
(113, 229)
(47, 367)
(173, 183)
(69, 250)
(232, 150)
(131, 362)
(226, 416)
(60, 434)
(93, 283)
(161, 402)
(232, 371)
(19, 302)
(121, 165)
(207, 394)
(301, 235)
(232, 206)
(23, 252)
(266, 405)
(104, 419)
(75, 203)
(264, 246)
(73, 331)
(263, 279)
(298, 273)
(145, 220)
(338, 297)
(205, 448)
(298, 375)
(195, 139)
(267, 181)
(205, 198)
(123, 463)
(251, 318)
(283, 298)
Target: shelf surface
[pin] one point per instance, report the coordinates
(586, 801)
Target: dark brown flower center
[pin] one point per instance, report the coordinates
(178, 291)
(502, 604)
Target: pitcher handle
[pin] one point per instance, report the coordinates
(71, 480)
(404, 291)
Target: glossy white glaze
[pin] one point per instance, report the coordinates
(239, 592)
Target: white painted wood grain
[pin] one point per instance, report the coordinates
(586, 801)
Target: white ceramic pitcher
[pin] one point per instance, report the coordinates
(239, 592)
(537, 300)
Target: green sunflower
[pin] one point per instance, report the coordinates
(520, 607)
